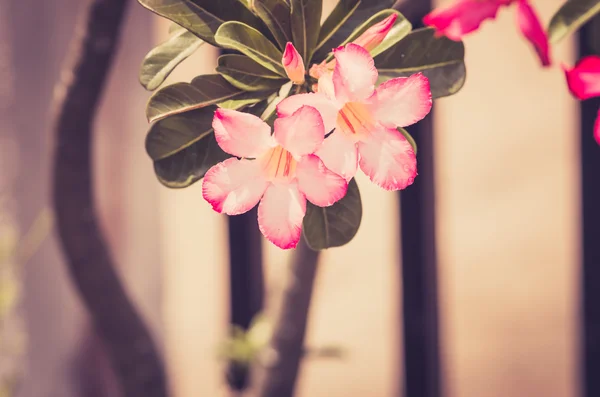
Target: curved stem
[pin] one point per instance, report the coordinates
(131, 349)
(287, 344)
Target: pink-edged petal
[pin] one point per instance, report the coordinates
(280, 214)
(301, 133)
(234, 186)
(321, 186)
(241, 134)
(402, 101)
(597, 128)
(584, 78)
(340, 154)
(462, 17)
(318, 100)
(388, 159)
(532, 29)
(354, 75)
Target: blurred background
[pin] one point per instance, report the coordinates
(508, 205)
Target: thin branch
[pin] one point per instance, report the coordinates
(131, 349)
(278, 376)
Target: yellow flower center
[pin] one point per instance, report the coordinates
(355, 120)
(278, 164)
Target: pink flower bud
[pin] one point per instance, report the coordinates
(373, 36)
(293, 64)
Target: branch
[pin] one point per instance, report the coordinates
(278, 379)
(130, 347)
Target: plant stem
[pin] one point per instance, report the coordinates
(278, 378)
(131, 349)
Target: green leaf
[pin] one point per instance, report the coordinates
(252, 43)
(204, 90)
(184, 147)
(173, 134)
(336, 225)
(365, 10)
(161, 61)
(340, 14)
(188, 15)
(306, 24)
(399, 31)
(409, 138)
(245, 74)
(570, 17)
(231, 10)
(276, 15)
(439, 58)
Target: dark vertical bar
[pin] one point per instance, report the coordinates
(419, 274)
(246, 281)
(419, 260)
(589, 44)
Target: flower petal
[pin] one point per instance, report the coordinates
(280, 214)
(373, 36)
(234, 186)
(402, 101)
(340, 154)
(354, 75)
(321, 186)
(301, 133)
(241, 134)
(318, 100)
(584, 78)
(462, 17)
(531, 28)
(388, 159)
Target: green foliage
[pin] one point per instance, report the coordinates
(570, 17)
(250, 77)
(336, 225)
(439, 58)
(161, 61)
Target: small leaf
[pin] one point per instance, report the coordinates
(399, 31)
(189, 165)
(252, 43)
(245, 74)
(203, 91)
(439, 58)
(188, 15)
(276, 15)
(336, 225)
(570, 17)
(342, 11)
(365, 10)
(409, 138)
(161, 61)
(306, 24)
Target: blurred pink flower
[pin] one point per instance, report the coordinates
(282, 174)
(465, 16)
(584, 83)
(365, 118)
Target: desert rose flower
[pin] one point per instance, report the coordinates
(293, 64)
(279, 171)
(364, 119)
(584, 83)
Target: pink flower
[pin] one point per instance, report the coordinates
(465, 16)
(584, 83)
(293, 64)
(365, 118)
(369, 40)
(282, 174)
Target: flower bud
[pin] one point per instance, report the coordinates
(373, 36)
(293, 64)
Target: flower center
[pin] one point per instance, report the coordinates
(278, 164)
(355, 119)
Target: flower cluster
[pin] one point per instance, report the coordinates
(319, 140)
